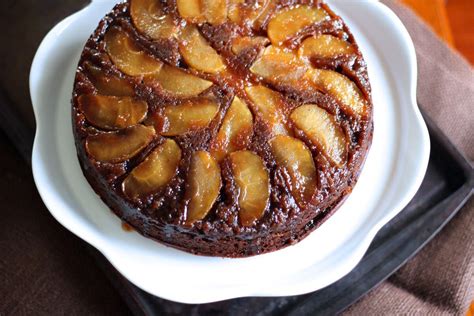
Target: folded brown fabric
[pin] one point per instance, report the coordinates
(440, 279)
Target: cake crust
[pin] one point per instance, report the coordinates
(288, 215)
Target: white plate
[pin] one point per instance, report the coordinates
(392, 174)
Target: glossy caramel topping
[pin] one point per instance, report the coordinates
(293, 155)
(120, 145)
(253, 183)
(188, 116)
(290, 21)
(204, 183)
(240, 112)
(200, 11)
(179, 83)
(108, 84)
(149, 18)
(325, 46)
(128, 56)
(198, 53)
(322, 130)
(268, 104)
(155, 172)
(109, 112)
(280, 66)
(340, 87)
(235, 132)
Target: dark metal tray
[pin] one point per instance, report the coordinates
(448, 184)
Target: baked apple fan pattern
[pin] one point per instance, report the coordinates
(223, 127)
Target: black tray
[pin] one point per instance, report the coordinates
(447, 185)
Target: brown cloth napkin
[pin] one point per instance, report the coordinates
(440, 279)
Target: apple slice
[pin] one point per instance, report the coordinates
(127, 56)
(120, 145)
(215, 11)
(251, 178)
(190, 10)
(180, 83)
(110, 112)
(268, 104)
(344, 90)
(325, 46)
(277, 65)
(240, 44)
(293, 155)
(288, 22)
(200, 11)
(188, 116)
(198, 53)
(251, 13)
(107, 84)
(204, 184)
(235, 132)
(322, 130)
(264, 13)
(149, 18)
(155, 172)
(236, 11)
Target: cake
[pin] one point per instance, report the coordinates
(222, 127)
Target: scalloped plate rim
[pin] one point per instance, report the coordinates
(101, 242)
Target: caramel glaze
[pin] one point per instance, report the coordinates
(126, 227)
(161, 215)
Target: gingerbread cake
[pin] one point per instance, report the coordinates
(222, 127)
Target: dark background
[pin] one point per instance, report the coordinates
(44, 269)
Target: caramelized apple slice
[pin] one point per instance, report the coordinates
(109, 112)
(155, 172)
(252, 180)
(251, 13)
(190, 10)
(107, 84)
(120, 145)
(204, 184)
(325, 46)
(127, 56)
(199, 11)
(241, 44)
(215, 11)
(344, 90)
(198, 53)
(293, 155)
(235, 132)
(322, 130)
(188, 116)
(180, 83)
(268, 104)
(149, 18)
(235, 10)
(288, 22)
(265, 12)
(278, 65)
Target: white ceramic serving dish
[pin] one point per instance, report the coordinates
(392, 174)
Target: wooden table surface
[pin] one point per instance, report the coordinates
(452, 20)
